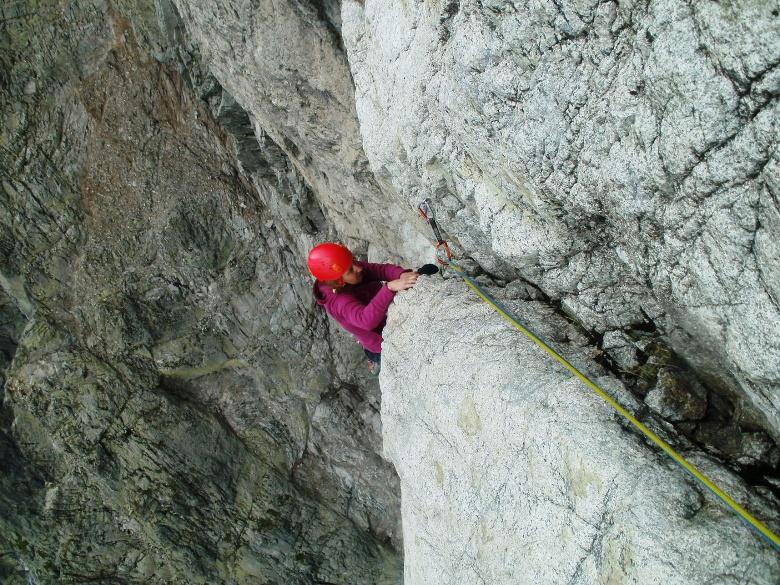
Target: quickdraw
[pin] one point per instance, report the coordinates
(426, 211)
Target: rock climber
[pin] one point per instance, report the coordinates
(357, 294)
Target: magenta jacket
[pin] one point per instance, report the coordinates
(362, 309)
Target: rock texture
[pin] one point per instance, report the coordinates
(622, 156)
(284, 63)
(175, 409)
(514, 472)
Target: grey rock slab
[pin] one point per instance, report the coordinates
(620, 348)
(512, 471)
(173, 362)
(125, 481)
(620, 156)
(284, 63)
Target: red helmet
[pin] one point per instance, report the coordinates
(329, 261)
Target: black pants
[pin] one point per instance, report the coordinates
(374, 357)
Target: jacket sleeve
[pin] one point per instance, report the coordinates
(386, 272)
(363, 316)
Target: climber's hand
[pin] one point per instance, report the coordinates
(406, 280)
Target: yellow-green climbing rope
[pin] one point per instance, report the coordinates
(751, 520)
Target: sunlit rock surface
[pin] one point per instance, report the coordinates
(512, 471)
(623, 156)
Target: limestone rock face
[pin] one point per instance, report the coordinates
(285, 64)
(514, 472)
(622, 156)
(175, 409)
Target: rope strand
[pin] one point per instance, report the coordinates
(751, 520)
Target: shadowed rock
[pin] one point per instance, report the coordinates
(168, 389)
